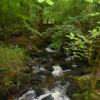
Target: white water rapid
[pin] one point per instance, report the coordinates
(58, 93)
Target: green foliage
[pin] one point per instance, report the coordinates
(70, 19)
(95, 32)
(32, 13)
(12, 61)
(83, 82)
(15, 13)
(50, 2)
(78, 44)
(94, 46)
(70, 39)
(58, 33)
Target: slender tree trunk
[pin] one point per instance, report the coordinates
(94, 60)
(93, 79)
(40, 16)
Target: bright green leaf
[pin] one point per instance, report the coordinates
(91, 1)
(49, 2)
(72, 35)
(40, 1)
(94, 14)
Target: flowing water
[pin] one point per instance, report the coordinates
(56, 72)
(58, 93)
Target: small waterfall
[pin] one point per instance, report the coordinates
(57, 71)
(58, 93)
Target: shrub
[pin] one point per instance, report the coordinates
(59, 35)
(69, 39)
(12, 61)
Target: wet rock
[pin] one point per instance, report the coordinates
(43, 60)
(49, 68)
(49, 97)
(13, 89)
(69, 58)
(65, 66)
(30, 95)
(62, 83)
(42, 71)
(46, 60)
(46, 97)
(39, 92)
(71, 89)
(36, 81)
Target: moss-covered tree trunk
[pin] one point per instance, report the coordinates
(95, 62)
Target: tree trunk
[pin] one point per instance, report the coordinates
(93, 79)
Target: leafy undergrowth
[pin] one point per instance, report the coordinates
(12, 65)
(84, 85)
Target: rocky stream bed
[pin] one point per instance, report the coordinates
(52, 77)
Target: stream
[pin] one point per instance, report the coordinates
(58, 93)
(50, 82)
